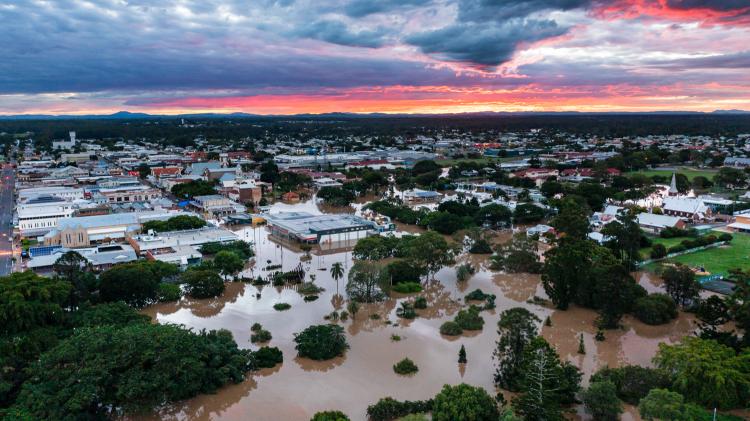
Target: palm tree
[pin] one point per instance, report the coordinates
(337, 272)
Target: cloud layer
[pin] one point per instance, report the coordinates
(288, 56)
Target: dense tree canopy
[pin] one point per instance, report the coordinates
(464, 402)
(28, 300)
(135, 283)
(516, 327)
(202, 283)
(175, 223)
(707, 372)
(368, 282)
(193, 188)
(321, 342)
(105, 370)
(518, 255)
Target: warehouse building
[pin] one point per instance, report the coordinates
(318, 229)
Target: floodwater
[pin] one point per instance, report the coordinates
(298, 388)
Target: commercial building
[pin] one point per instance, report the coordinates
(147, 242)
(101, 258)
(68, 193)
(318, 229)
(741, 224)
(38, 215)
(126, 194)
(214, 205)
(84, 231)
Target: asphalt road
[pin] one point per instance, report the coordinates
(7, 203)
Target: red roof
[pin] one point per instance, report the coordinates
(159, 172)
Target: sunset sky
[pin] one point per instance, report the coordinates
(393, 56)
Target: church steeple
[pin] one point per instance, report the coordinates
(673, 186)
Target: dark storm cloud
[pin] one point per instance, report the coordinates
(488, 32)
(484, 44)
(720, 5)
(361, 8)
(498, 10)
(337, 32)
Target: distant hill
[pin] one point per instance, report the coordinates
(127, 115)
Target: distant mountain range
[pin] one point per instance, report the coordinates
(127, 115)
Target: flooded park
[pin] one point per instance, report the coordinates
(298, 388)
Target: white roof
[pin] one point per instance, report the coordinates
(685, 204)
(654, 220)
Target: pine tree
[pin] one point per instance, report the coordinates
(462, 355)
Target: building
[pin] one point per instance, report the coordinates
(68, 193)
(737, 162)
(38, 215)
(126, 194)
(687, 208)
(248, 192)
(101, 257)
(740, 224)
(214, 205)
(65, 144)
(180, 247)
(78, 158)
(84, 231)
(654, 223)
(421, 196)
(318, 229)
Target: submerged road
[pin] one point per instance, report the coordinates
(7, 203)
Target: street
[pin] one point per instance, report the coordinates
(6, 219)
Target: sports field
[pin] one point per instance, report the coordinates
(718, 260)
(688, 172)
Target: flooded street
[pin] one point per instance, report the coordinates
(298, 388)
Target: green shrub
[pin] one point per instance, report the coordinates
(655, 309)
(633, 382)
(266, 357)
(260, 336)
(676, 249)
(404, 271)
(406, 311)
(420, 303)
(725, 237)
(464, 402)
(309, 298)
(169, 292)
(658, 251)
(256, 327)
(387, 409)
(464, 272)
(405, 366)
(469, 319)
(329, 416)
(321, 342)
(282, 306)
(476, 295)
(451, 329)
(408, 287)
(309, 288)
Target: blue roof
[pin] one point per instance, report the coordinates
(199, 167)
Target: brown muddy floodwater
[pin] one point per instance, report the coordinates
(298, 388)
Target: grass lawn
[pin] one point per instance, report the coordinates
(482, 160)
(688, 172)
(719, 260)
(668, 242)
